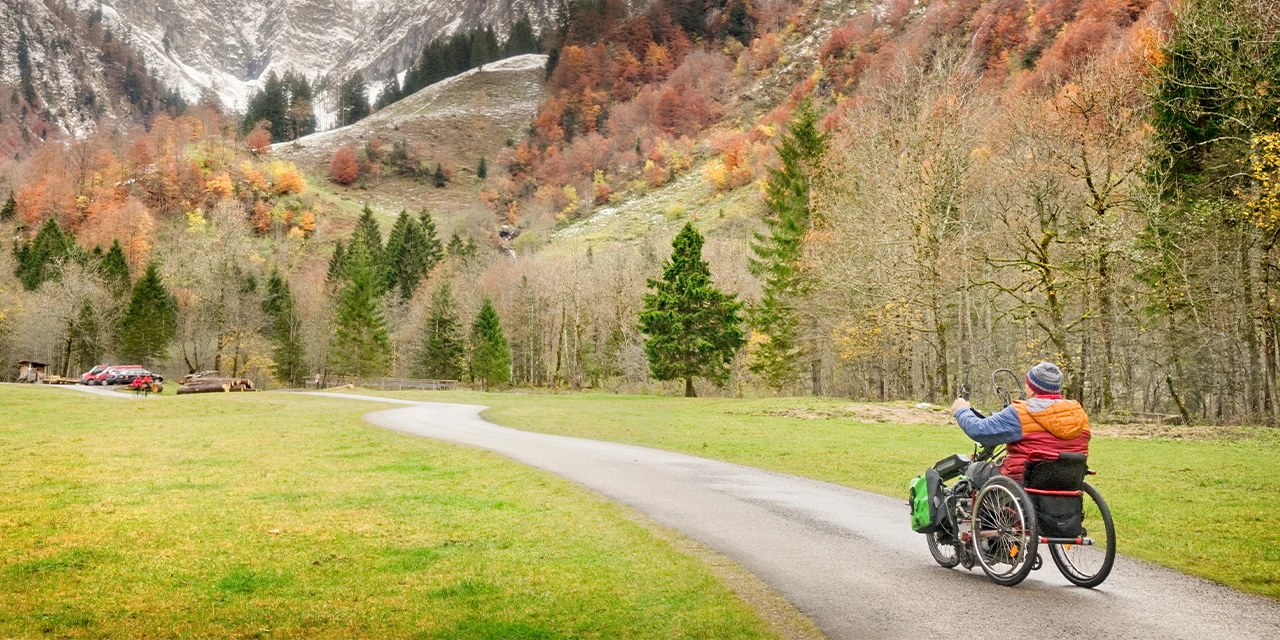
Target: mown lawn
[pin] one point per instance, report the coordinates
(269, 515)
(1207, 507)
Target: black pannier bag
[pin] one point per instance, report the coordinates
(1058, 516)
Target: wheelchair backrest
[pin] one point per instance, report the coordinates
(1066, 472)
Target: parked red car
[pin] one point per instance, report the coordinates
(90, 374)
(101, 377)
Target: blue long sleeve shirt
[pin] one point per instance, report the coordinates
(1000, 428)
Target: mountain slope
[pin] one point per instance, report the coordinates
(453, 123)
(61, 71)
(226, 46)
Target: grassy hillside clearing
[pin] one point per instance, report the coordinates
(1203, 502)
(267, 515)
(456, 121)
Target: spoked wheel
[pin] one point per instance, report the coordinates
(1004, 532)
(944, 553)
(1088, 565)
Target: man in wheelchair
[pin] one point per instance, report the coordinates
(1039, 428)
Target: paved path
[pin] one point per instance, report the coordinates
(848, 558)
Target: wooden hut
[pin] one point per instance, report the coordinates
(31, 371)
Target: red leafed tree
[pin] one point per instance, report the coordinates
(259, 141)
(668, 115)
(344, 169)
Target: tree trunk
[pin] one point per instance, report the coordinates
(1104, 332)
(1252, 397)
(66, 351)
(688, 388)
(815, 372)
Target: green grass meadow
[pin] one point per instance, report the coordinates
(1206, 507)
(270, 515)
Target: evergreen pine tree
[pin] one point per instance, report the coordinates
(25, 77)
(438, 177)
(778, 254)
(9, 209)
(353, 100)
(37, 259)
(391, 92)
(490, 353)
(435, 250)
(482, 171)
(360, 347)
(369, 234)
(302, 118)
(440, 357)
(479, 49)
(271, 103)
(285, 329)
(86, 337)
(115, 270)
(455, 247)
(408, 255)
(741, 25)
(694, 328)
(521, 39)
(149, 321)
(336, 263)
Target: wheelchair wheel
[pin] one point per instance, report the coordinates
(1004, 531)
(944, 553)
(1088, 565)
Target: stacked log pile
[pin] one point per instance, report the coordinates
(212, 383)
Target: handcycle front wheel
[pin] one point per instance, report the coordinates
(946, 554)
(1089, 565)
(1004, 531)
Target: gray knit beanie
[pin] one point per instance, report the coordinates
(1046, 377)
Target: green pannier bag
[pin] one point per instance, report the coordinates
(923, 497)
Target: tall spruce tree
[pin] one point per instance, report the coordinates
(336, 263)
(302, 118)
(391, 92)
(482, 170)
(9, 209)
(115, 270)
(149, 321)
(521, 40)
(407, 255)
(360, 346)
(490, 352)
(480, 52)
(285, 330)
(435, 250)
(36, 260)
(693, 328)
(440, 356)
(777, 255)
(271, 104)
(353, 100)
(368, 233)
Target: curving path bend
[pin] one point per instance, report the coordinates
(847, 558)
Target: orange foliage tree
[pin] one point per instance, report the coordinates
(344, 169)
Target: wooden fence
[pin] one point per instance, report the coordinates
(387, 384)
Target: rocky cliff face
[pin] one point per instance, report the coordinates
(226, 46)
(59, 73)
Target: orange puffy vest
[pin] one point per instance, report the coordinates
(1047, 429)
